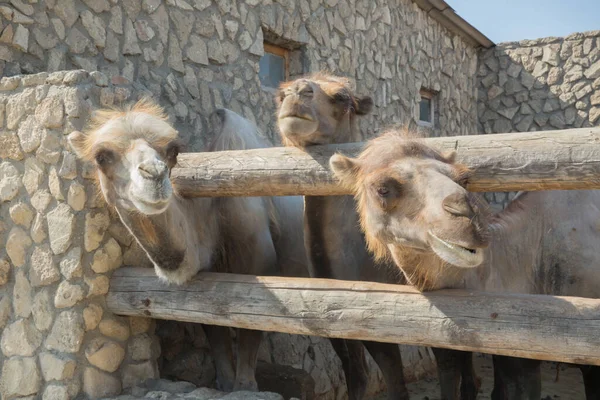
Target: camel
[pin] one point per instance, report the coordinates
(414, 210)
(322, 109)
(134, 150)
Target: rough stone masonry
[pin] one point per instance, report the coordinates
(544, 84)
(60, 243)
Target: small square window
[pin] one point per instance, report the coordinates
(427, 109)
(274, 66)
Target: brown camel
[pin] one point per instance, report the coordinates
(415, 210)
(134, 150)
(322, 109)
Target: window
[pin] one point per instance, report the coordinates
(274, 66)
(427, 108)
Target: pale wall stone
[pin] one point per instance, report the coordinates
(19, 377)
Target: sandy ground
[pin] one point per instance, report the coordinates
(568, 387)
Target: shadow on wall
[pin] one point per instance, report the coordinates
(544, 84)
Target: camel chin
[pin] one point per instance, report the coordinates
(295, 126)
(148, 208)
(456, 254)
(151, 197)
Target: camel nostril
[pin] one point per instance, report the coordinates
(458, 205)
(153, 170)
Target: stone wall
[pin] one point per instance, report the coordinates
(59, 246)
(543, 84)
(197, 55)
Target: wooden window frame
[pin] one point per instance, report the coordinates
(431, 96)
(281, 52)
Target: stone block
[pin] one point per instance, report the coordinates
(68, 295)
(42, 309)
(20, 377)
(21, 338)
(67, 333)
(22, 295)
(97, 384)
(61, 223)
(115, 329)
(92, 315)
(56, 368)
(108, 258)
(21, 214)
(56, 392)
(10, 180)
(43, 269)
(17, 245)
(105, 354)
(96, 224)
(70, 266)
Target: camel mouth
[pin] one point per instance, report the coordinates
(297, 125)
(150, 207)
(151, 198)
(304, 117)
(456, 254)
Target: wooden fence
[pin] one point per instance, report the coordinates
(530, 326)
(568, 160)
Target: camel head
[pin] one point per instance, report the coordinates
(133, 150)
(318, 109)
(412, 201)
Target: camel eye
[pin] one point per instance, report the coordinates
(308, 91)
(105, 157)
(383, 191)
(340, 98)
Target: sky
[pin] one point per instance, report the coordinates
(511, 20)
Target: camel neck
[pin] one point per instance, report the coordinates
(174, 240)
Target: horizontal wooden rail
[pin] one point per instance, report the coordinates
(567, 159)
(530, 326)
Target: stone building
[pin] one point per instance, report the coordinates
(544, 84)
(422, 64)
(194, 56)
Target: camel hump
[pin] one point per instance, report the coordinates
(234, 132)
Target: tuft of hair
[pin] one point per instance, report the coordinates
(118, 126)
(398, 143)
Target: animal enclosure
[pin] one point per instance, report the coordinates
(529, 326)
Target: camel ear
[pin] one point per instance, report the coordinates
(449, 156)
(344, 168)
(77, 141)
(364, 105)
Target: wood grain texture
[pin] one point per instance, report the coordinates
(567, 160)
(531, 326)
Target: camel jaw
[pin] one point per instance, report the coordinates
(456, 254)
(297, 125)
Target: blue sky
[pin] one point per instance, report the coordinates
(509, 20)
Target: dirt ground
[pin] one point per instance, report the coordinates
(568, 387)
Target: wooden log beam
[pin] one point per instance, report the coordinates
(567, 159)
(531, 326)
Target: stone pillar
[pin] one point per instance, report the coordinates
(59, 247)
